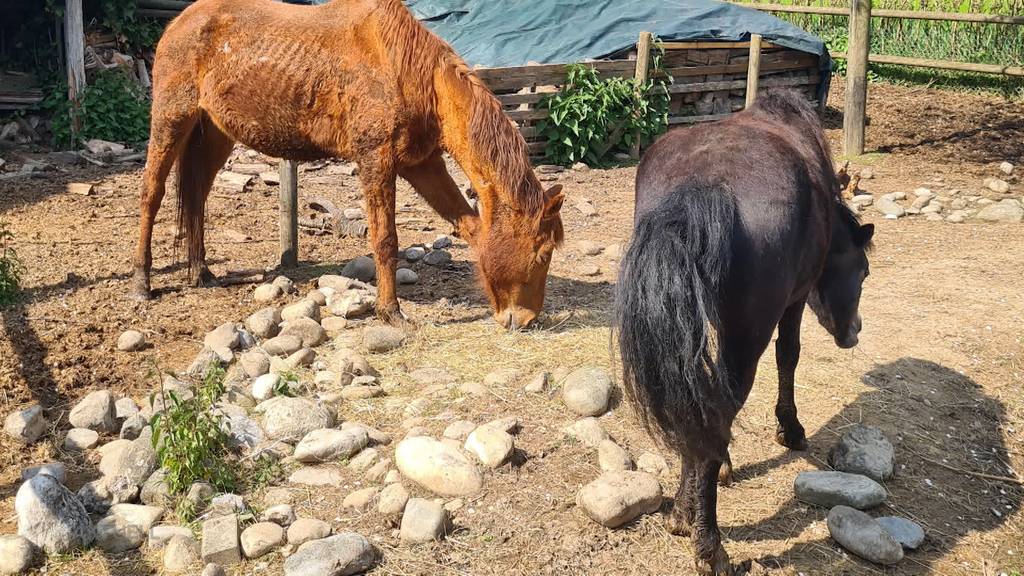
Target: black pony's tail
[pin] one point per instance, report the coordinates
(667, 320)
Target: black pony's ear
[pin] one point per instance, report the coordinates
(864, 234)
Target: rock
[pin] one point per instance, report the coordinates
(502, 377)
(16, 554)
(392, 477)
(615, 498)
(334, 282)
(160, 535)
(79, 439)
(26, 426)
(284, 283)
(361, 268)
(220, 540)
(1006, 168)
(537, 384)
(340, 555)
(1006, 210)
(377, 438)
(316, 476)
(131, 341)
(264, 386)
(393, 499)
(144, 516)
(212, 569)
(116, 534)
(864, 450)
(125, 408)
(131, 466)
(438, 258)
(586, 207)
(862, 535)
(227, 503)
(423, 521)
(95, 412)
(180, 554)
(590, 248)
(155, 491)
(441, 242)
(283, 345)
(355, 392)
(828, 489)
(588, 269)
(437, 467)
(406, 276)
(133, 427)
(414, 253)
(306, 529)
(309, 331)
(379, 339)
(261, 538)
(889, 207)
(301, 309)
(459, 429)
(862, 200)
(254, 363)
(588, 431)
(333, 325)
(364, 459)
(223, 337)
(293, 418)
(612, 457)
(354, 214)
(264, 322)
(909, 534)
(360, 500)
(377, 472)
(329, 444)
(267, 292)
(55, 469)
(493, 447)
(199, 495)
(997, 185)
(51, 517)
(652, 463)
(352, 304)
(586, 391)
(281, 514)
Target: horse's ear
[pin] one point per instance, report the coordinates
(864, 234)
(553, 199)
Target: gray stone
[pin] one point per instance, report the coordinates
(997, 185)
(79, 439)
(199, 496)
(437, 467)
(393, 499)
(16, 554)
(502, 377)
(612, 458)
(95, 412)
(406, 276)
(423, 521)
(180, 554)
(1006, 168)
(590, 248)
(864, 450)
(364, 459)
(301, 309)
(538, 383)
(889, 207)
(261, 538)
(334, 282)
(862, 535)
(1006, 210)
(439, 258)
(909, 534)
(280, 514)
(264, 322)
(132, 465)
(340, 555)
(212, 569)
(228, 503)
(441, 242)
(220, 540)
(264, 386)
(587, 391)
(293, 418)
(266, 293)
(616, 498)
(827, 489)
(223, 337)
(316, 476)
(284, 283)
(125, 408)
(131, 341)
(588, 431)
(26, 426)
(492, 446)
(459, 429)
(133, 426)
(379, 339)
(414, 253)
(161, 534)
(307, 529)
(330, 444)
(309, 332)
(352, 304)
(51, 517)
(361, 268)
(360, 500)
(55, 469)
(126, 527)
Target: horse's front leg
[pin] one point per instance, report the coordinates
(711, 556)
(790, 432)
(378, 179)
(432, 181)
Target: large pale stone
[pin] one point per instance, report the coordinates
(340, 555)
(220, 540)
(437, 467)
(330, 444)
(587, 391)
(828, 489)
(862, 535)
(261, 538)
(51, 517)
(616, 498)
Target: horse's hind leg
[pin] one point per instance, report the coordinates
(680, 520)
(711, 556)
(790, 432)
(377, 173)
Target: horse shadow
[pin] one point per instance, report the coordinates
(946, 432)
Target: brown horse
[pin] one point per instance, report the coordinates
(355, 79)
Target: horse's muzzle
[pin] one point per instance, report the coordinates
(515, 318)
(850, 339)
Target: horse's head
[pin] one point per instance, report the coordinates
(514, 258)
(835, 299)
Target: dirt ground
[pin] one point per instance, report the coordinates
(940, 365)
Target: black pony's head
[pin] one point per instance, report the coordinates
(835, 299)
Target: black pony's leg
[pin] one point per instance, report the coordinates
(680, 521)
(787, 353)
(711, 556)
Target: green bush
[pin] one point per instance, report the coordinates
(112, 107)
(190, 436)
(10, 268)
(591, 119)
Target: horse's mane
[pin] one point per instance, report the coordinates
(418, 53)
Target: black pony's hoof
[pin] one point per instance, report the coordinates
(677, 524)
(791, 437)
(725, 474)
(717, 565)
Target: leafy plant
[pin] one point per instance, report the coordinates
(111, 107)
(10, 267)
(135, 32)
(591, 119)
(190, 438)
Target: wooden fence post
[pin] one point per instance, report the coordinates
(74, 56)
(857, 78)
(289, 216)
(753, 68)
(643, 64)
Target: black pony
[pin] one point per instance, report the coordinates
(738, 225)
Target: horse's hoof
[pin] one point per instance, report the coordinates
(717, 566)
(205, 279)
(677, 524)
(725, 474)
(792, 438)
(140, 294)
(396, 319)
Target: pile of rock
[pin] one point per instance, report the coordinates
(862, 459)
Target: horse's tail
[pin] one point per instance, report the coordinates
(191, 192)
(668, 323)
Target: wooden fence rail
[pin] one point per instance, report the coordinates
(903, 14)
